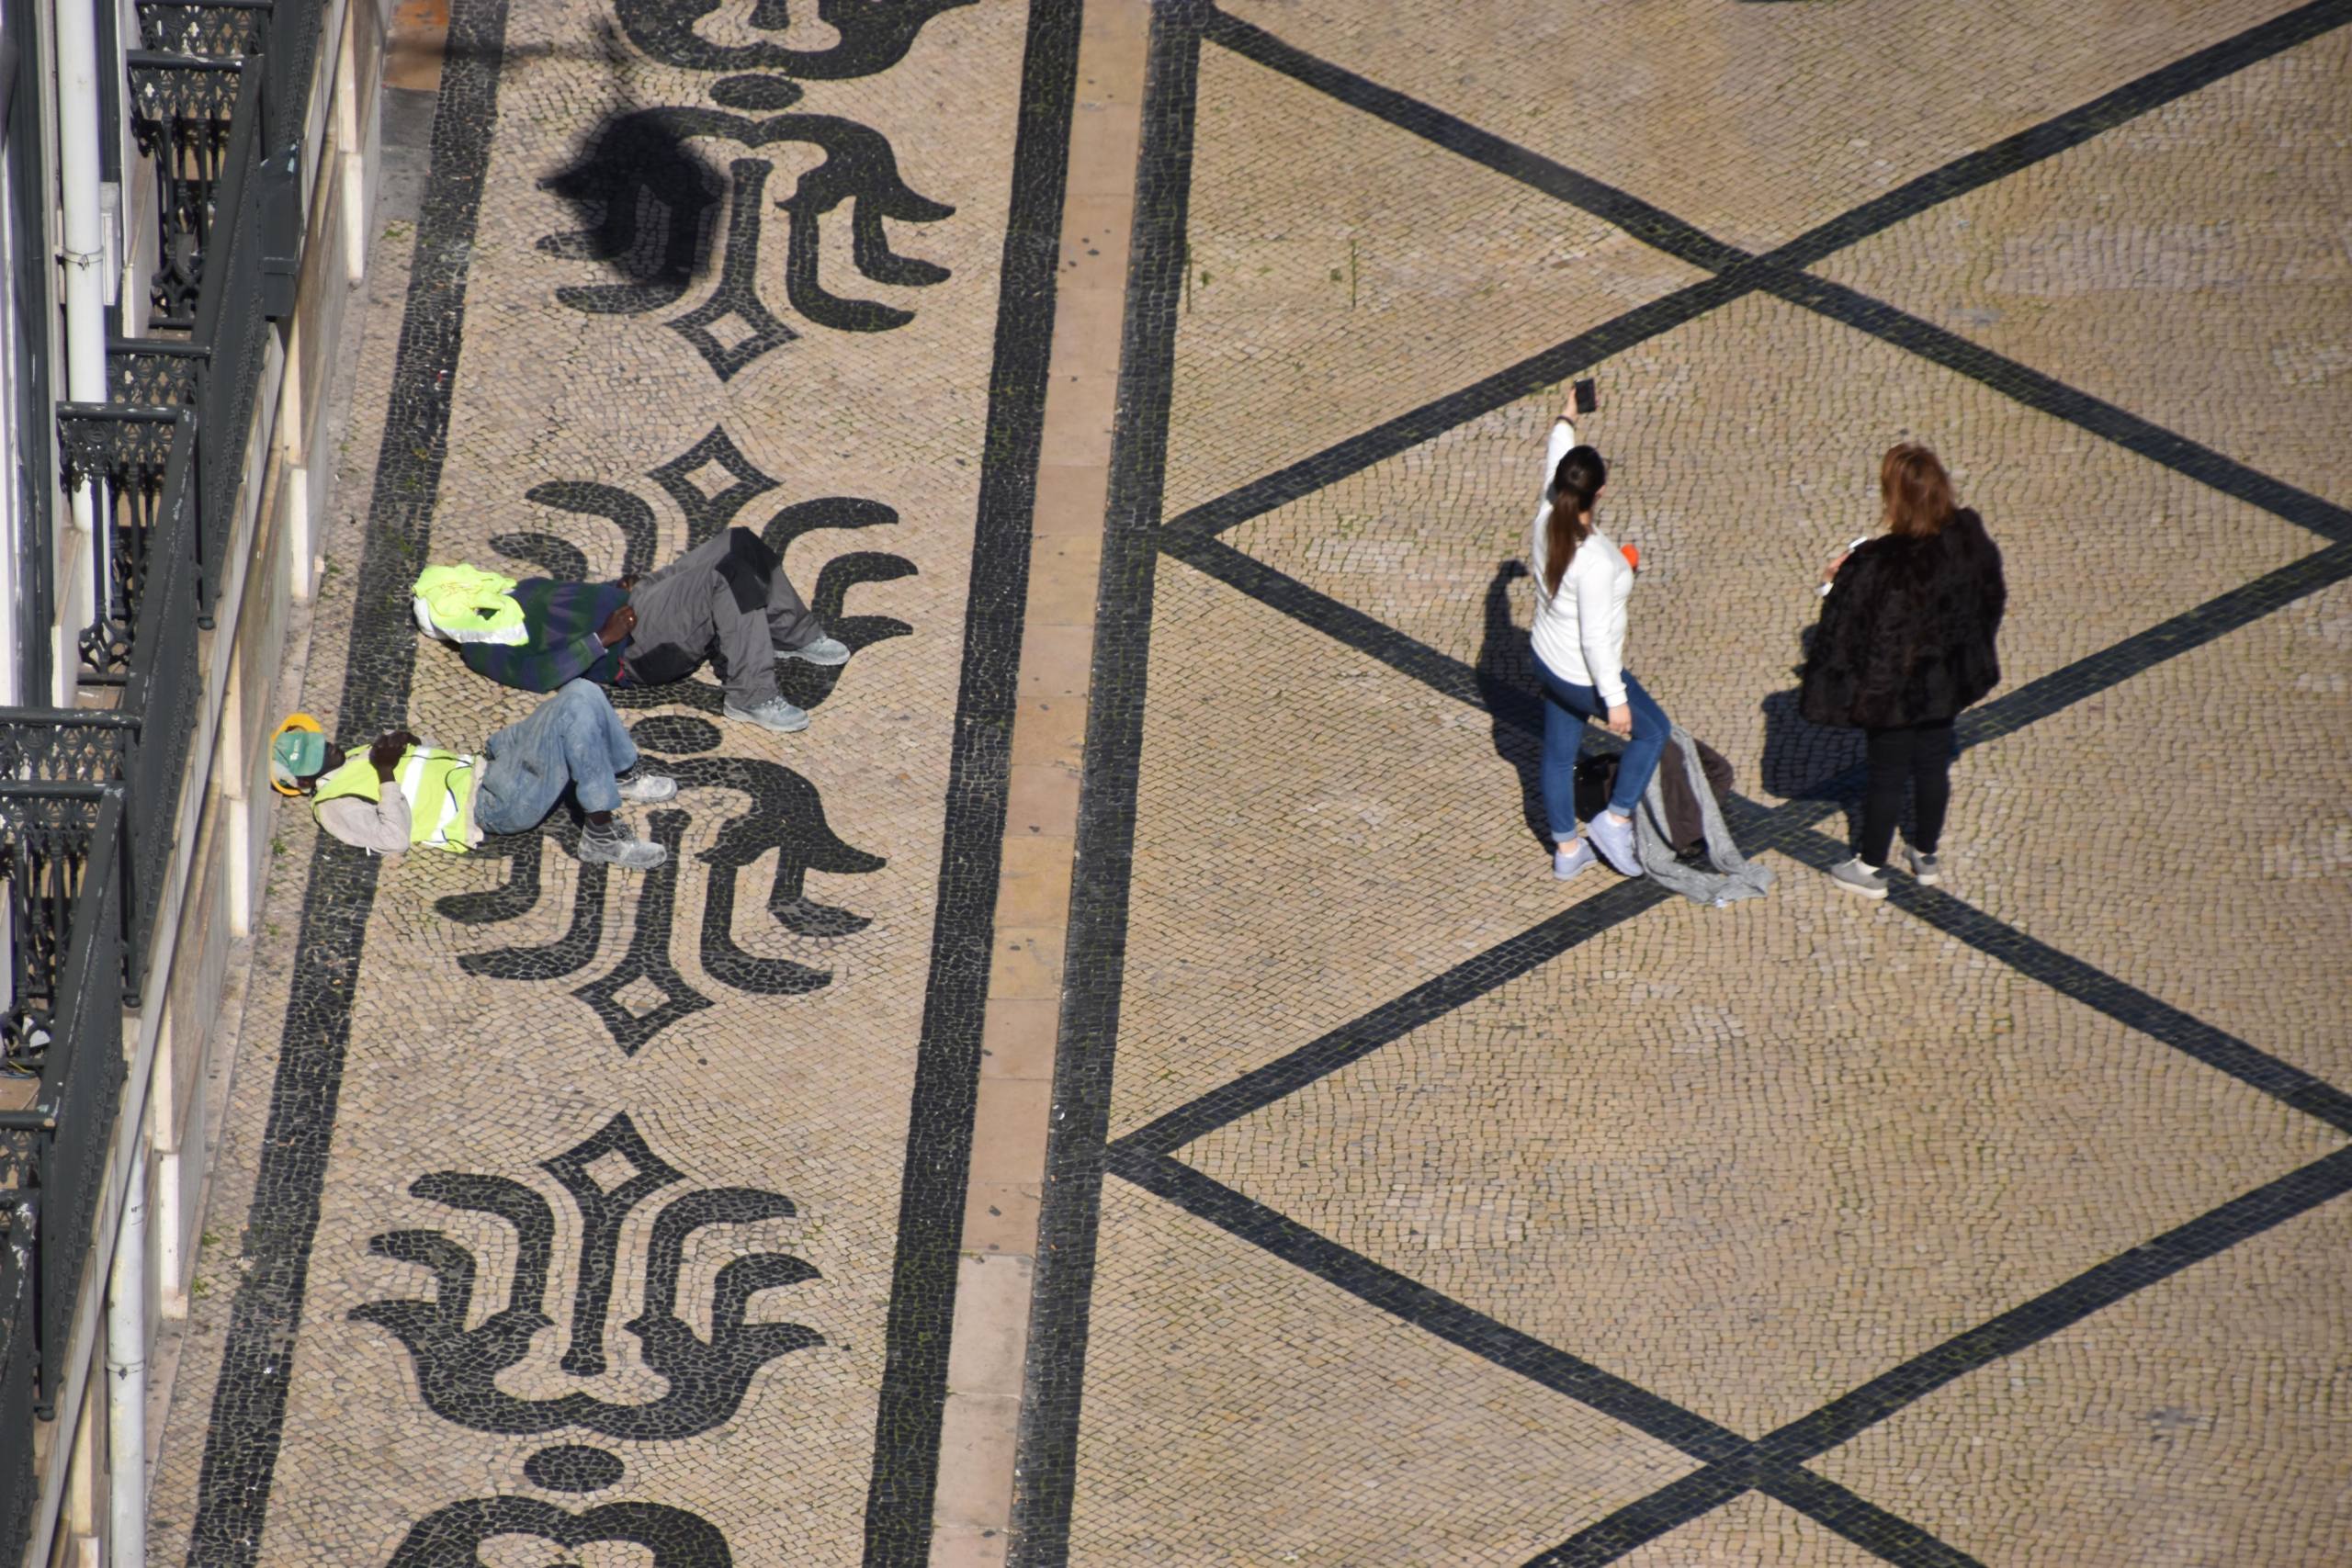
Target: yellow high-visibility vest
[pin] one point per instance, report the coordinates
(439, 787)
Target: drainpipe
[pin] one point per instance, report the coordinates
(83, 220)
(127, 1379)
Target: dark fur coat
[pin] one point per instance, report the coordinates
(1906, 634)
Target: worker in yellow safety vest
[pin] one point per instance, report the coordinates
(401, 793)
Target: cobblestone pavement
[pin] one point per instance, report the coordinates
(1401, 1206)
(569, 1215)
(1406, 1208)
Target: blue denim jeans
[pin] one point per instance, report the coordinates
(572, 739)
(1567, 707)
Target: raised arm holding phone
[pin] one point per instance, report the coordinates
(1582, 580)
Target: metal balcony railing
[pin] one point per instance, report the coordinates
(66, 844)
(185, 77)
(219, 30)
(19, 1315)
(121, 447)
(121, 451)
(183, 112)
(90, 799)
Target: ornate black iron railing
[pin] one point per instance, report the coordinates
(51, 766)
(68, 746)
(43, 862)
(233, 332)
(220, 29)
(185, 84)
(56, 1147)
(122, 453)
(123, 447)
(19, 1352)
(156, 372)
(165, 690)
(90, 800)
(182, 111)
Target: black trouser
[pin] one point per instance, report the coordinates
(1919, 755)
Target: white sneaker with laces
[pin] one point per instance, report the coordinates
(776, 714)
(640, 788)
(824, 652)
(1567, 859)
(1859, 879)
(1615, 840)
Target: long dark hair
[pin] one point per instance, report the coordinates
(1575, 484)
(1917, 491)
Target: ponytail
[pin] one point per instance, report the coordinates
(1576, 485)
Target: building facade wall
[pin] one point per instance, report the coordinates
(179, 1048)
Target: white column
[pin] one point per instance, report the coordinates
(127, 1379)
(82, 217)
(294, 483)
(14, 528)
(239, 866)
(166, 1141)
(353, 156)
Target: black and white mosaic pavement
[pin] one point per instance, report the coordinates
(1403, 1210)
(564, 1212)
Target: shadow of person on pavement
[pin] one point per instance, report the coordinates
(1514, 703)
(1803, 759)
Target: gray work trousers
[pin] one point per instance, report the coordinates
(726, 601)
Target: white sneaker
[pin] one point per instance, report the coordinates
(1615, 840)
(774, 713)
(824, 652)
(1855, 877)
(1569, 860)
(616, 845)
(640, 788)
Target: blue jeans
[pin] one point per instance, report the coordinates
(1566, 708)
(572, 739)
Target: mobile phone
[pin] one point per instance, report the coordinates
(1851, 546)
(1588, 397)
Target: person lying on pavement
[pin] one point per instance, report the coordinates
(727, 603)
(401, 793)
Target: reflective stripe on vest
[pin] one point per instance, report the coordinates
(436, 784)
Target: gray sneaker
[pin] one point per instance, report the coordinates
(1567, 862)
(640, 788)
(774, 713)
(1615, 840)
(824, 651)
(616, 845)
(1926, 870)
(1855, 877)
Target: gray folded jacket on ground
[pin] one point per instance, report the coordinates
(1727, 875)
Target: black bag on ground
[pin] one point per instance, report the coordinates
(1597, 779)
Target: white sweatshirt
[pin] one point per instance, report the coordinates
(1580, 631)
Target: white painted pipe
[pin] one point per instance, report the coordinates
(16, 530)
(126, 1380)
(353, 155)
(82, 217)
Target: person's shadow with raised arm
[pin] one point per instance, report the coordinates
(1514, 702)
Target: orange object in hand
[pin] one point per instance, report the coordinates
(1632, 556)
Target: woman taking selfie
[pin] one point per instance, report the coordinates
(1906, 642)
(1582, 583)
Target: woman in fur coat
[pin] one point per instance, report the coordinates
(1906, 642)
